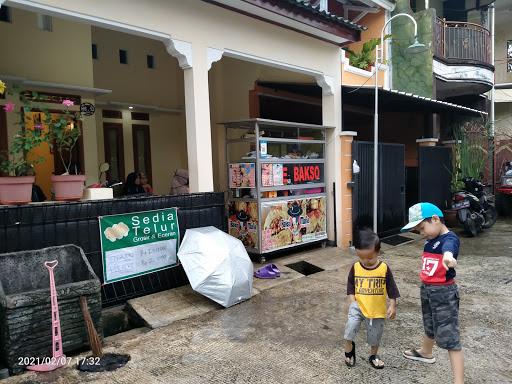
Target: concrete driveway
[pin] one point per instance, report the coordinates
(291, 333)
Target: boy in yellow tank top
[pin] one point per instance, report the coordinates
(369, 282)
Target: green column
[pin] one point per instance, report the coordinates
(412, 72)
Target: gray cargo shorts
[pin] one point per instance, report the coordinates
(440, 308)
(374, 327)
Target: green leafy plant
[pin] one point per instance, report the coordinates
(366, 58)
(470, 152)
(63, 133)
(15, 161)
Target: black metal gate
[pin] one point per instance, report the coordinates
(435, 176)
(391, 195)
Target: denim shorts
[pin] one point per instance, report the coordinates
(374, 327)
(440, 308)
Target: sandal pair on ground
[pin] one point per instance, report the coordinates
(375, 361)
(269, 271)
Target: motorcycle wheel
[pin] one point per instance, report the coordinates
(490, 215)
(470, 227)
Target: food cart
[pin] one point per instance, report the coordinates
(276, 182)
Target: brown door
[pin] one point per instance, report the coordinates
(142, 149)
(114, 153)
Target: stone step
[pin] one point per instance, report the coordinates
(164, 308)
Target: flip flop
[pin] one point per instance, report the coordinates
(268, 271)
(372, 359)
(274, 269)
(415, 355)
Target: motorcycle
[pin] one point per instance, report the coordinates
(504, 190)
(475, 208)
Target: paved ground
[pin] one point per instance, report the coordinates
(291, 333)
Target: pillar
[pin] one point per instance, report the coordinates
(331, 116)
(90, 140)
(346, 137)
(197, 109)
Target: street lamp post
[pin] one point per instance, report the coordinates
(416, 47)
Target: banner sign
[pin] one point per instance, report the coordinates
(138, 243)
(243, 222)
(291, 222)
(242, 175)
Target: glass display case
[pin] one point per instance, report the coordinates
(276, 184)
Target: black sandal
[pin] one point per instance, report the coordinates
(351, 354)
(372, 359)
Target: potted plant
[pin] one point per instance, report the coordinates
(15, 164)
(63, 135)
(364, 59)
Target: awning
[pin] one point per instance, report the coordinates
(398, 101)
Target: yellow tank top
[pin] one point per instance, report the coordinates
(370, 289)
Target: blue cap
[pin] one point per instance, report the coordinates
(419, 212)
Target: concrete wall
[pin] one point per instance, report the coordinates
(503, 119)
(134, 83)
(413, 72)
(214, 27)
(61, 56)
(230, 81)
(503, 33)
(356, 76)
(204, 26)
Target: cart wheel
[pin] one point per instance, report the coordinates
(263, 259)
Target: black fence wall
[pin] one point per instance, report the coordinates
(38, 226)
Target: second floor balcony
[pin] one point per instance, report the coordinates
(462, 58)
(462, 43)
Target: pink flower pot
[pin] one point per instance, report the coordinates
(68, 187)
(16, 189)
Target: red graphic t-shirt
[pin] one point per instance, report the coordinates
(432, 268)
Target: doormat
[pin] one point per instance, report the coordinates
(396, 240)
(304, 268)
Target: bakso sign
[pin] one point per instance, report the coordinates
(303, 173)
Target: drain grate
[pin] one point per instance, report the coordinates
(396, 240)
(304, 268)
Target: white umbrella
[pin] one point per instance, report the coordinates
(217, 265)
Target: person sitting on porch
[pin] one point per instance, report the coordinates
(145, 184)
(132, 185)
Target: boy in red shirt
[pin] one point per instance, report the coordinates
(439, 292)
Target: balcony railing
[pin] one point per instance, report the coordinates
(461, 42)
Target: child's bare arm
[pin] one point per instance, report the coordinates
(350, 300)
(392, 309)
(448, 260)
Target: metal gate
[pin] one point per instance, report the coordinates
(391, 195)
(435, 175)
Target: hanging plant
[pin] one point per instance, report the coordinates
(365, 58)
